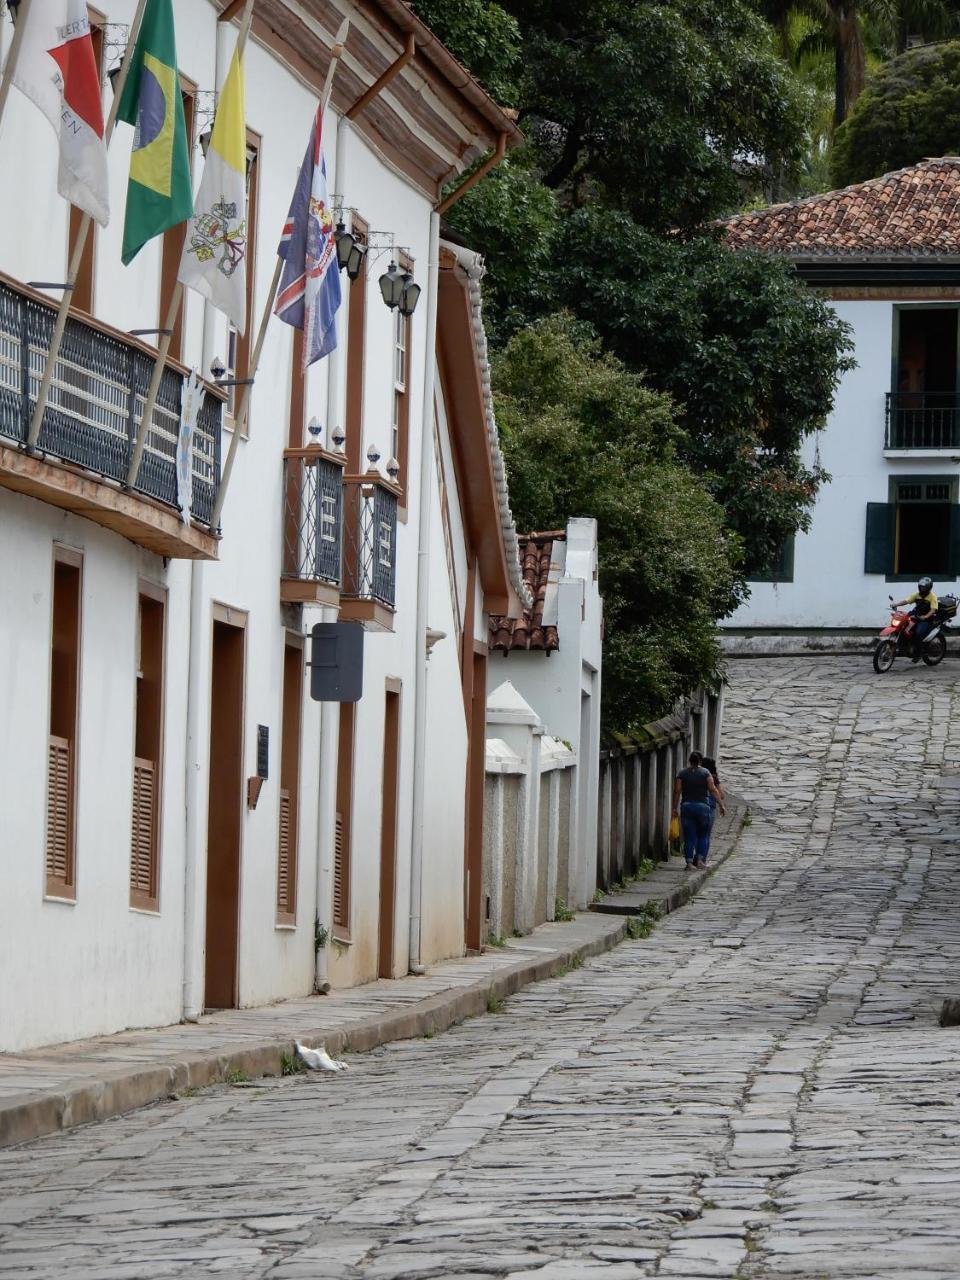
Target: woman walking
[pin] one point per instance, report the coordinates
(692, 791)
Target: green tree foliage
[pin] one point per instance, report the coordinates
(751, 357)
(850, 32)
(514, 219)
(482, 35)
(582, 435)
(663, 110)
(643, 121)
(910, 110)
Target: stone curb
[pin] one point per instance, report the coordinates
(28, 1116)
(634, 902)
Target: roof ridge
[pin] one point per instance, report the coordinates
(930, 162)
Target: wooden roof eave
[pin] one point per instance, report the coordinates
(470, 440)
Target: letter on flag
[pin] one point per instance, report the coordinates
(310, 284)
(57, 71)
(160, 193)
(215, 247)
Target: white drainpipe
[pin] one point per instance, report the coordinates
(194, 884)
(425, 498)
(330, 711)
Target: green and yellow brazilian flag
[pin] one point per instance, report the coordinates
(160, 193)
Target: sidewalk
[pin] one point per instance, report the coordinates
(47, 1090)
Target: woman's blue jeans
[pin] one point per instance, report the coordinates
(695, 821)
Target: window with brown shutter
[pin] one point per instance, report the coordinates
(289, 782)
(342, 842)
(145, 816)
(61, 862)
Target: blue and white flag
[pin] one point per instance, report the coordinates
(190, 406)
(310, 284)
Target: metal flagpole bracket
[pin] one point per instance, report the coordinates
(50, 284)
(146, 333)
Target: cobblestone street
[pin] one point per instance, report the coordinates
(758, 1089)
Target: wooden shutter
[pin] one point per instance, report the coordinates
(881, 537)
(59, 816)
(284, 877)
(339, 877)
(143, 834)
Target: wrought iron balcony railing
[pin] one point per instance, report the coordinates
(370, 540)
(922, 420)
(96, 402)
(313, 524)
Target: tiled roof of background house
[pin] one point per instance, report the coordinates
(913, 212)
(530, 631)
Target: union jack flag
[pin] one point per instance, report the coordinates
(309, 294)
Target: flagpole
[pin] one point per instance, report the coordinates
(244, 406)
(10, 66)
(163, 347)
(56, 337)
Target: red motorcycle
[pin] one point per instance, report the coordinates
(896, 639)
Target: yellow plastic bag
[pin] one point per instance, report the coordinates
(674, 828)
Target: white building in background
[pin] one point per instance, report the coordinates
(181, 823)
(545, 673)
(886, 255)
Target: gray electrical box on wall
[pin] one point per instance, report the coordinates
(336, 662)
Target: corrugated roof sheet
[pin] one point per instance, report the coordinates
(913, 212)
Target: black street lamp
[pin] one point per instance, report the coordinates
(410, 297)
(391, 286)
(350, 254)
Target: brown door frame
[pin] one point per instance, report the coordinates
(473, 808)
(388, 828)
(225, 808)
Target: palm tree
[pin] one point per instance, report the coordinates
(842, 30)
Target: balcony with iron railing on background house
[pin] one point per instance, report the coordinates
(340, 538)
(922, 422)
(88, 434)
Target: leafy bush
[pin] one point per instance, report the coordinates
(909, 110)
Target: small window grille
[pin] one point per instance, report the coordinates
(910, 493)
(938, 493)
(328, 518)
(386, 541)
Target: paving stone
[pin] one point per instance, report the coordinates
(784, 1108)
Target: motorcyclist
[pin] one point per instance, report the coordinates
(925, 605)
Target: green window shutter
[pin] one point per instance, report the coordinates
(881, 526)
(953, 560)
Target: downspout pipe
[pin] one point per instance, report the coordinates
(425, 498)
(378, 86)
(194, 885)
(478, 175)
(329, 711)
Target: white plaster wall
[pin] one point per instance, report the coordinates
(553, 683)
(94, 965)
(830, 588)
(442, 927)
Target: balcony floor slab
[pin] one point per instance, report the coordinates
(132, 515)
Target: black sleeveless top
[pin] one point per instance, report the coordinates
(693, 785)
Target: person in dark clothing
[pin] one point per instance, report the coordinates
(711, 764)
(691, 795)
